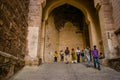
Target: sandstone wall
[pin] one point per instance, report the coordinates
(115, 4)
(69, 38)
(13, 33)
(51, 40)
(13, 26)
(58, 40)
(114, 63)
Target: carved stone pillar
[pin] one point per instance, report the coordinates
(34, 24)
(107, 27)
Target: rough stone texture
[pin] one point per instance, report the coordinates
(115, 4)
(34, 26)
(114, 63)
(51, 40)
(13, 33)
(62, 71)
(107, 27)
(13, 26)
(113, 10)
(68, 13)
(9, 65)
(68, 37)
(35, 13)
(109, 18)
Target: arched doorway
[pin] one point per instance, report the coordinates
(66, 27)
(89, 32)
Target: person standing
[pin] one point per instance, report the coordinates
(78, 54)
(62, 55)
(87, 54)
(82, 54)
(95, 57)
(101, 57)
(55, 56)
(73, 56)
(67, 55)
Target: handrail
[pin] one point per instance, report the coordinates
(5, 64)
(10, 56)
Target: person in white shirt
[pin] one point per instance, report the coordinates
(78, 54)
(87, 53)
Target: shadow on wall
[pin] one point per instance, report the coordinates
(117, 48)
(114, 63)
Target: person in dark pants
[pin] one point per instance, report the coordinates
(78, 54)
(55, 56)
(82, 54)
(62, 55)
(96, 58)
(67, 55)
(87, 53)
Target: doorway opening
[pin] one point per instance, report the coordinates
(66, 27)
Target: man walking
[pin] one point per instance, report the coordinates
(87, 53)
(95, 57)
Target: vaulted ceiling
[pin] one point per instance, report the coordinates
(65, 13)
(74, 11)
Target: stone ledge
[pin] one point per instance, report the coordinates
(117, 31)
(114, 63)
(10, 56)
(9, 65)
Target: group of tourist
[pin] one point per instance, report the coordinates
(76, 54)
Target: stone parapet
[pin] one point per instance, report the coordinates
(114, 63)
(9, 65)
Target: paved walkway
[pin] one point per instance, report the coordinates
(62, 71)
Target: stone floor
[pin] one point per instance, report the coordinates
(62, 71)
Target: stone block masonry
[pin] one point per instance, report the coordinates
(13, 34)
(13, 26)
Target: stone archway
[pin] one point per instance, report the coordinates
(90, 18)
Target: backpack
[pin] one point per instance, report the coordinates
(67, 52)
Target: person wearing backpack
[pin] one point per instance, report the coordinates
(67, 55)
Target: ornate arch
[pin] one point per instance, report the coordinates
(55, 4)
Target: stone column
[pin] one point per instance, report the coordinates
(42, 42)
(34, 24)
(107, 28)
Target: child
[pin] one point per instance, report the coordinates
(73, 56)
(101, 57)
(55, 56)
(82, 54)
(62, 55)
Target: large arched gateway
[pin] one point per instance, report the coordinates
(85, 19)
(32, 30)
(69, 25)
